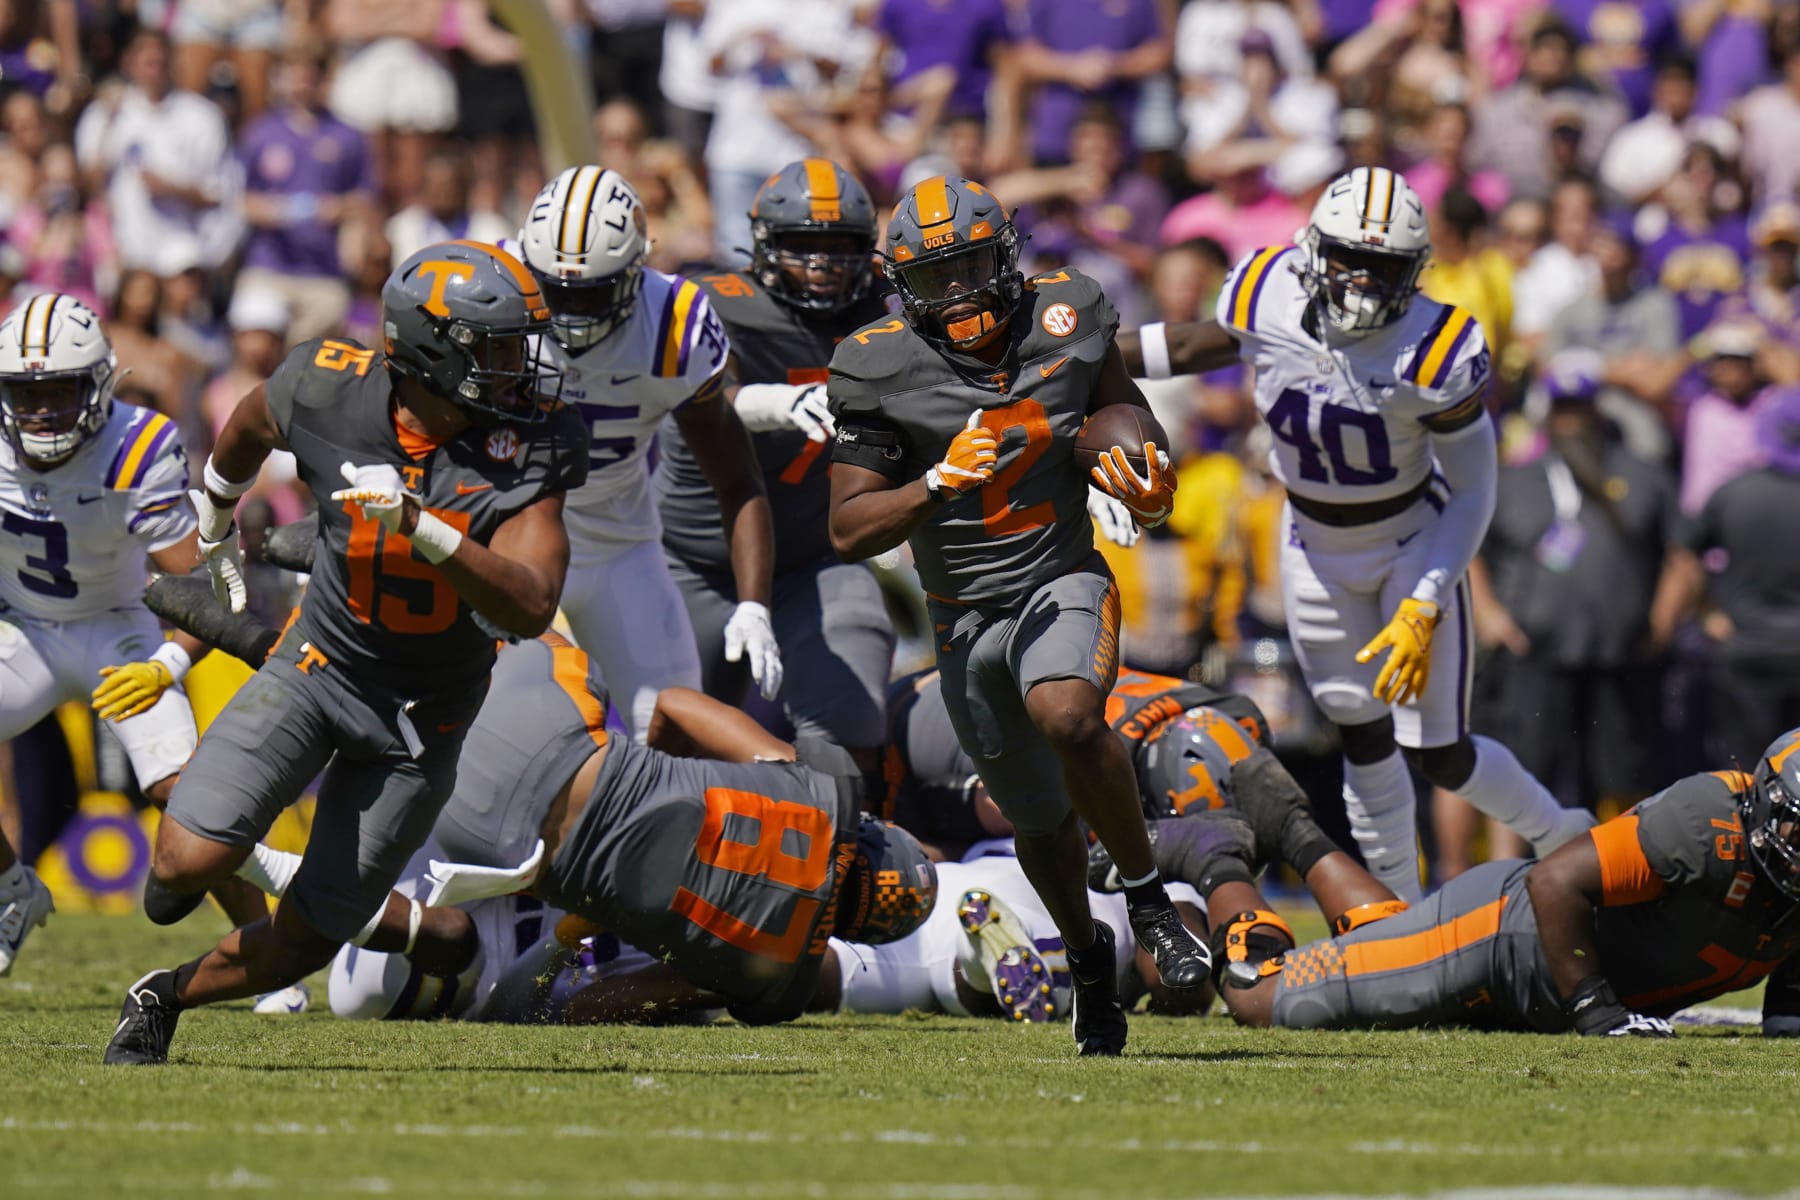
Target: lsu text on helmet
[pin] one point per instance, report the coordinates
(463, 319)
(812, 233)
(57, 373)
(585, 240)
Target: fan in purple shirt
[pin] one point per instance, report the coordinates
(1081, 51)
(965, 35)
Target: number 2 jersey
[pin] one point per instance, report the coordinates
(1352, 420)
(76, 536)
(771, 342)
(899, 402)
(373, 606)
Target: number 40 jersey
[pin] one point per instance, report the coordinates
(76, 535)
(1352, 422)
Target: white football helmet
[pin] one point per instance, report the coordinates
(1365, 248)
(586, 240)
(56, 377)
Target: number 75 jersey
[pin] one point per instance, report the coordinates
(1352, 422)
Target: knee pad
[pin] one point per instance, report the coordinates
(1250, 947)
(1367, 743)
(164, 906)
(1448, 767)
(1367, 914)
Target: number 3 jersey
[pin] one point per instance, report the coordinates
(373, 606)
(1352, 421)
(899, 402)
(670, 351)
(76, 536)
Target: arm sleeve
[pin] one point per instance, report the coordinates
(1470, 462)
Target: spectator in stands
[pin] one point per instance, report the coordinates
(393, 85)
(65, 239)
(1073, 52)
(626, 52)
(1513, 128)
(1771, 120)
(1625, 39)
(28, 135)
(369, 259)
(1410, 65)
(163, 158)
(1755, 678)
(165, 376)
(1646, 154)
(1731, 41)
(1251, 119)
(970, 37)
(1561, 271)
(244, 33)
(1774, 291)
(1492, 30)
(506, 168)
(261, 330)
(1465, 271)
(443, 211)
(1446, 163)
(686, 85)
(1253, 207)
(1695, 238)
(307, 175)
(1719, 441)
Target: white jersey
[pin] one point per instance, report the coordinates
(76, 535)
(1352, 422)
(667, 353)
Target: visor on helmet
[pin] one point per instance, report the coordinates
(820, 269)
(1772, 831)
(584, 311)
(509, 378)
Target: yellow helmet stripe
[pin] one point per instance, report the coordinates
(822, 189)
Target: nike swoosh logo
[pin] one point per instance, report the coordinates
(447, 728)
(463, 489)
(89, 499)
(1050, 370)
(1409, 537)
(618, 379)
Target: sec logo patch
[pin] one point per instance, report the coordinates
(502, 444)
(1059, 319)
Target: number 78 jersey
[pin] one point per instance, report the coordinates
(1352, 423)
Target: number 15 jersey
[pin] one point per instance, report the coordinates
(1352, 422)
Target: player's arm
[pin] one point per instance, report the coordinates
(1161, 350)
(1607, 866)
(515, 580)
(249, 435)
(690, 724)
(871, 513)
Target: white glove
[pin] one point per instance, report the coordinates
(1115, 519)
(222, 557)
(378, 490)
(1639, 1025)
(811, 416)
(749, 630)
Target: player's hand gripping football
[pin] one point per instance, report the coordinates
(968, 463)
(750, 632)
(1149, 497)
(379, 492)
(1408, 636)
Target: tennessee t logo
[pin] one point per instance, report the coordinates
(442, 271)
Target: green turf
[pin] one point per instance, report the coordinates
(895, 1107)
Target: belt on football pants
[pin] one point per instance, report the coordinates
(1341, 515)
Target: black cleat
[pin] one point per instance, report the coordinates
(1182, 959)
(1098, 1015)
(146, 1023)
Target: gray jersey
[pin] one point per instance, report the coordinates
(728, 871)
(898, 403)
(543, 717)
(771, 342)
(373, 606)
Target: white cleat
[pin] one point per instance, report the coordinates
(293, 999)
(20, 914)
(1017, 974)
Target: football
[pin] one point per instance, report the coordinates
(1124, 425)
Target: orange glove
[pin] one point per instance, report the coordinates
(968, 463)
(1149, 497)
(1408, 669)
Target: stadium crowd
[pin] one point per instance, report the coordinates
(1613, 189)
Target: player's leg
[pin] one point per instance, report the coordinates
(28, 690)
(1329, 620)
(710, 603)
(1434, 731)
(629, 616)
(837, 651)
(1064, 653)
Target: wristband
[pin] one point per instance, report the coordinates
(218, 485)
(1153, 341)
(435, 539)
(1594, 1007)
(172, 656)
(936, 489)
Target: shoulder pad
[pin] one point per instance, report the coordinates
(149, 454)
(689, 336)
(1450, 342)
(1242, 294)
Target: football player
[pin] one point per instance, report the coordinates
(1375, 399)
(636, 345)
(810, 284)
(956, 425)
(439, 466)
(1688, 896)
(89, 490)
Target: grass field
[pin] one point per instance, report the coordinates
(888, 1107)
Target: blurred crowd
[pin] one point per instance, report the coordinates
(1613, 188)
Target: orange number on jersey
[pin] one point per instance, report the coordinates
(893, 326)
(1059, 277)
(801, 463)
(729, 285)
(374, 606)
(997, 512)
(342, 356)
(763, 859)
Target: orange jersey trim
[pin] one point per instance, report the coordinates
(569, 667)
(1626, 876)
(1417, 949)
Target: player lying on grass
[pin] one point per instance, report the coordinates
(733, 872)
(1688, 896)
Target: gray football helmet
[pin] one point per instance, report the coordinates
(812, 229)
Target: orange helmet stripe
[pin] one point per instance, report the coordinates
(932, 201)
(822, 187)
(528, 284)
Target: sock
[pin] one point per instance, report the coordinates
(1503, 789)
(1381, 804)
(1093, 964)
(1145, 892)
(13, 880)
(269, 869)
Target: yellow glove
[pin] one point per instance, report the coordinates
(1408, 668)
(131, 689)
